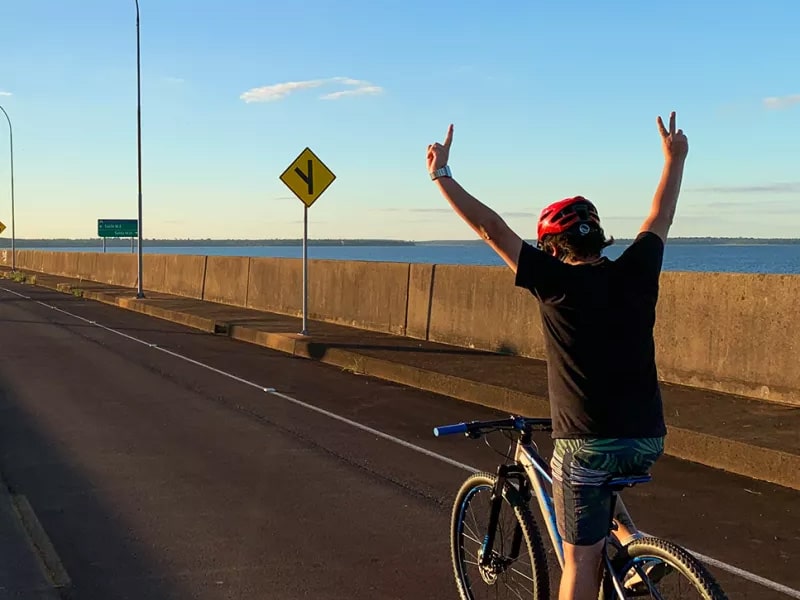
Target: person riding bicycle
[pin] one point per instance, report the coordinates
(598, 317)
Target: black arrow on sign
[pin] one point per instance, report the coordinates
(308, 178)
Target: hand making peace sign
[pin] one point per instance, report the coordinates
(675, 143)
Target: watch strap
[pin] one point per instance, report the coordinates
(442, 172)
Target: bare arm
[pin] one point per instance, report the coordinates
(666, 200)
(483, 220)
(676, 147)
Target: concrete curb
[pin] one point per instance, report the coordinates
(55, 582)
(755, 462)
(194, 321)
(463, 389)
(44, 547)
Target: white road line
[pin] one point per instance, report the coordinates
(763, 581)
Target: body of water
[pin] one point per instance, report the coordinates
(756, 258)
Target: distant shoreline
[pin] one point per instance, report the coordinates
(5, 242)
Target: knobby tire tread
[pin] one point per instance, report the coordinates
(689, 566)
(530, 532)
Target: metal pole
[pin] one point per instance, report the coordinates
(305, 271)
(140, 290)
(13, 229)
(131, 245)
(104, 245)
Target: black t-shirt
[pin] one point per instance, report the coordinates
(598, 324)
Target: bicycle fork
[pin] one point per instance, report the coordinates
(486, 554)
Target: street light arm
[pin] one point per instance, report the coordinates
(10, 134)
(7, 117)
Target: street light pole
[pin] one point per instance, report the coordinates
(140, 289)
(13, 232)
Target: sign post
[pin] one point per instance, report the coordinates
(307, 177)
(117, 228)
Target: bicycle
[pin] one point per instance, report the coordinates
(642, 565)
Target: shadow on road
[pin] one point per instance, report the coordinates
(95, 548)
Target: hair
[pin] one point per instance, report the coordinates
(570, 245)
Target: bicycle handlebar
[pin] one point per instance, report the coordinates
(480, 427)
(450, 429)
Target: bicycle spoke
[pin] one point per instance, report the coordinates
(515, 591)
(474, 533)
(500, 568)
(518, 572)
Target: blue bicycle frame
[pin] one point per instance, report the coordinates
(538, 474)
(525, 455)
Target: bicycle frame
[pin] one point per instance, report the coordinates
(538, 475)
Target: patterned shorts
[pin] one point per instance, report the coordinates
(580, 469)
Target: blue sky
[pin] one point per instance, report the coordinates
(548, 100)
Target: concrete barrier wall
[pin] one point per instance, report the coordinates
(731, 332)
(57, 263)
(366, 294)
(226, 280)
(420, 295)
(114, 268)
(276, 285)
(479, 307)
(178, 274)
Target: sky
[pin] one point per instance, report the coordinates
(548, 100)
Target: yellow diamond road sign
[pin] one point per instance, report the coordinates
(307, 177)
(2, 227)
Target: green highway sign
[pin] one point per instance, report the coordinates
(124, 228)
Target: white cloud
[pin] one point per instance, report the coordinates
(359, 91)
(790, 187)
(520, 215)
(2, 93)
(278, 91)
(349, 81)
(779, 102)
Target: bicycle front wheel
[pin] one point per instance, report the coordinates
(517, 567)
(655, 568)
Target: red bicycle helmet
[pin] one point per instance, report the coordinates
(564, 214)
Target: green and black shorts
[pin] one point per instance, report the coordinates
(580, 468)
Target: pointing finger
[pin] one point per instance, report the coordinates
(448, 139)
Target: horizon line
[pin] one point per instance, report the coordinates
(343, 239)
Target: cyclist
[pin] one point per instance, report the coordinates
(598, 317)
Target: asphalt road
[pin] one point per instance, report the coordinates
(159, 477)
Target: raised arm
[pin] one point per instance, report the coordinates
(483, 220)
(676, 147)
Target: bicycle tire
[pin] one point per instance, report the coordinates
(672, 554)
(530, 532)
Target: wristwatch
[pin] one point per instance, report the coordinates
(443, 172)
